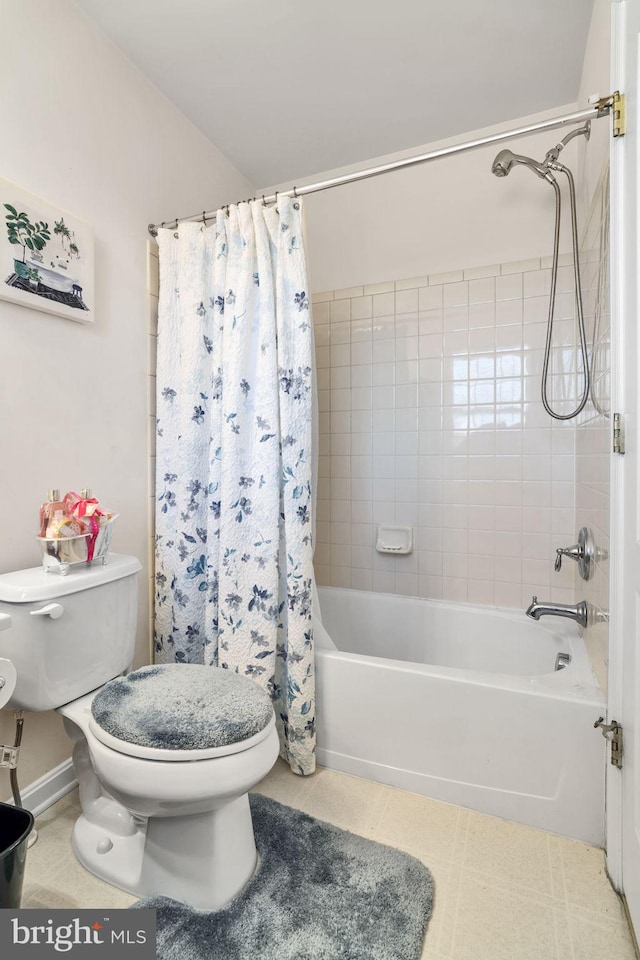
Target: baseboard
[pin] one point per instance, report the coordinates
(46, 790)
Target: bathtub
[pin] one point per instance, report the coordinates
(462, 704)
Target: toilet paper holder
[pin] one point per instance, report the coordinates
(394, 539)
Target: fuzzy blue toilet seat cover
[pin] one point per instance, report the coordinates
(182, 707)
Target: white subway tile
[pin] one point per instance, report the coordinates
(412, 282)
(347, 293)
(383, 304)
(406, 301)
(361, 352)
(361, 330)
(455, 317)
(340, 332)
(383, 328)
(537, 283)
(520, 266)
(340, 311)
(361, 308)
(509, 287)
(340, 378)
(373, 288)
(383, 351)
(322, 297)
(361, 375)
(509, 311)
(407, 326)
(322, 335)
(321, 313)
(453, 276)
(479, 273)
(341, 354)
(430, 298)
(456, 294)
(564, 260)
(482, 290)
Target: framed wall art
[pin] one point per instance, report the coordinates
(46, 256)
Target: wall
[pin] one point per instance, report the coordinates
(430, 417)
(593, 435)
(86, 131)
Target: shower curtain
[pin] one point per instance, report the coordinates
(234, 570)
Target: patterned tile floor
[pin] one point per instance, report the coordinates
(503, 891)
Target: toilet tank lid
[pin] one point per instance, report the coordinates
(32, 585)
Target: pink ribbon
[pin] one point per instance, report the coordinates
(76, 506)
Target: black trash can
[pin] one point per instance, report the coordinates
(15, 827)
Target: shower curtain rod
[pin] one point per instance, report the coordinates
(601, 108)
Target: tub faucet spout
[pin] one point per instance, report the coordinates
(577, 612)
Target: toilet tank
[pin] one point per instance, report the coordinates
(67, 635)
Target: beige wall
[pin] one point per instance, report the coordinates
(84, 130)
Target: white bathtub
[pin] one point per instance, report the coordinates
(463, 704)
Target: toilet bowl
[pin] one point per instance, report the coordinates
(164, 756)
(178, 827)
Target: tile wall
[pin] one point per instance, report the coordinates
(593, 435)
(430, 416)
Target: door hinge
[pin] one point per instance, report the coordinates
(618, 433)
(616, 104)
(613, 733)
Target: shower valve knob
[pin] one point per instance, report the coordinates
(583, 552)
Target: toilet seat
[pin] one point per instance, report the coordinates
(185, 756)
(181, 712)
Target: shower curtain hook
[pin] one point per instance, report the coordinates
(264, 202)
(296, 206)
(204, 219)
(277, 211)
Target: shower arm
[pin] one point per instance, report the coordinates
(554, 153)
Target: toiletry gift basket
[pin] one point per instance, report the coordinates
(75, 529)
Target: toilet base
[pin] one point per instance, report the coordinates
(204, 860)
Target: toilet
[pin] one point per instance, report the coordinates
(164, 756)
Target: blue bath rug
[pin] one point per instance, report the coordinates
(319, 893)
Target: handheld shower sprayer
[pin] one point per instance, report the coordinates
(506, 159)
(501, 167)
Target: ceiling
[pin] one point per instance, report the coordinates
(290, 88)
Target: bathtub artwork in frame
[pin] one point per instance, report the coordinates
(46, 256)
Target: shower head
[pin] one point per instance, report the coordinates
(505, 160)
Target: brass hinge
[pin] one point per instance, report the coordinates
(616, 104)
(618, 433)
(613, 733)
(9, 756)
(619, 114)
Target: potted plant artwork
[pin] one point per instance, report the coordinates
(46, 256)
(22, 232)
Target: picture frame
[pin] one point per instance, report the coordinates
(46, 256)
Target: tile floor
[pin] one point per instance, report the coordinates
(503, 891)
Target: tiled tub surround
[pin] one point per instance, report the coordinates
(430, 415)
(593, 434)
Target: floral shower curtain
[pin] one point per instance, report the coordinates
(234, 468)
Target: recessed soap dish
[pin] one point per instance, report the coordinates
(393, 539)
